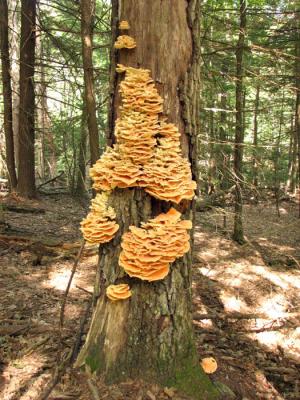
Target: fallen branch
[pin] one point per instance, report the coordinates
(23, 209)
(80, 330)
(50, 180)
(63, 305)
(93, 389)
(200, 317)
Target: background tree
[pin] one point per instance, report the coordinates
(238, 233)
(26, 167)
(87, 8)
(7, 95)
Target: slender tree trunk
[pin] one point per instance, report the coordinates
(293, 168)
(212, 152)
(238, 233)
(87, 19)
(80, 186)
(297, 74)
(291, 156)
(26, 172)
(7, 96)
(14, 21)
(255, 138)
(277, 158)
(224, 152)
(151, 336)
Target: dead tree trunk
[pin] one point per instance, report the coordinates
(7, 96)
(87, 17)
(151, 336)
(26, 167)
(238, 233)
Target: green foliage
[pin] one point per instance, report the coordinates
(269, 64)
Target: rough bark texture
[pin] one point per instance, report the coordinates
(238, 234)
(255, 137)
(81, 175)
(150, 336)
(87, 17)
(297, 74)
(26, 170)
(7, 95)
(14, 34)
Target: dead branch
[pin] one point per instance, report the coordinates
(63, 305)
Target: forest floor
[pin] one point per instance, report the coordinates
(246, 302)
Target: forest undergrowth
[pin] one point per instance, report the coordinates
(246, 309)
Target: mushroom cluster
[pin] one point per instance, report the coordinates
(168, 175)
(124, 25)
(147, 252)
(147, 153)
(99, 226)
(125, 42)
(112, 170)
(118, 292)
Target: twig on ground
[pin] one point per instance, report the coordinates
(84, 290)
(93, 389)
(80, 330)
(50, 180)
(64, 300)
(61, 369)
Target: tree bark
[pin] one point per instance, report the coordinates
(14, 34)
(238, 233)
(87, 18)
(255, 137)
(297, 74)
(80, 185)
(151, 335)
(7, 96)
(26, 167)
(224, 152)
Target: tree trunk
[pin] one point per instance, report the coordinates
(7, 96)
(297, 74)
(224, 153)
(238, 233)
(151, 335)
(291, 183)
(255, 137)
(87, 17)
(277, 158)
(26, 170)
(80, 186)
(14, 34)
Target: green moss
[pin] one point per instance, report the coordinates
(191, 380)
(93, 360)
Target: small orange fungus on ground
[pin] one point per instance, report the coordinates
(209, 365)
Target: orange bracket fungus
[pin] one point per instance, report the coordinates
(118, 292)
(125, 42)
(209, 365)
(147, 150)
(147, 252)
(99, 226)
(146, 154)
(124, 25)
